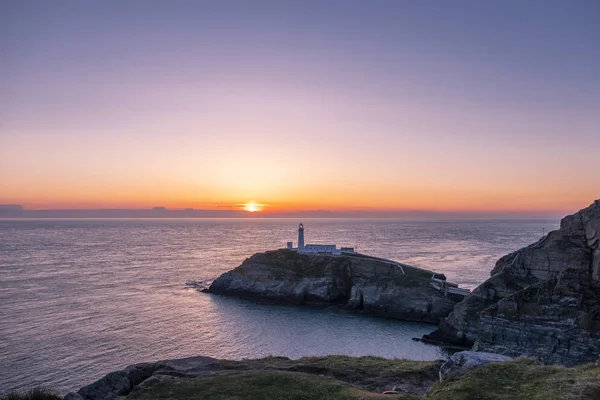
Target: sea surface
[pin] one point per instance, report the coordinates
(81, 298)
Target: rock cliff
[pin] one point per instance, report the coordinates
(205, 377)
(541, 301)
(354, 281)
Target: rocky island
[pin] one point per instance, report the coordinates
(351, 280)
(541, 301)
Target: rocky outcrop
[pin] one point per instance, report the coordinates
(459, 363)
(371, 374)
(355, 281)
(542, 301)
(119, 383)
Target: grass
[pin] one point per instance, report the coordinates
(371, 364)
(377, 374)
(259, 385)
(330, 377)
(38, 393)
(285, 262)
(351, 378)
(342, 377)
(522, 379)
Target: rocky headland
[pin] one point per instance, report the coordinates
(353, 281)
(541, 301)
(467, 375)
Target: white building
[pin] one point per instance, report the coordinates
(320, 248)
(316, 248)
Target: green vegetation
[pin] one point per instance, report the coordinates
(352, 378)
(522, 379)
(285, 262)
(341, 377)
(38, 393)
(378, 374)
(371, 364)
(369, 374)
(258, 385)
(418, 273)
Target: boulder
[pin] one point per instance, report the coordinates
(115, 384)
(462, 361)
(110, 387)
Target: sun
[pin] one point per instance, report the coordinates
(252, 207)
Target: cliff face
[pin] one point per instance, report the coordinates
(542, 300)
(355, 281)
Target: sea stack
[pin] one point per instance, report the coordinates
(351, 280)
(541, 301)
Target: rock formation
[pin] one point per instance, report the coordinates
(461, 362)
(541, 301)
(371, 374)
(355, 281)
(468, 375)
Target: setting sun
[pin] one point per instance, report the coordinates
(252, 207)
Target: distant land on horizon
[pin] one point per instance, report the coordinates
(18, 211)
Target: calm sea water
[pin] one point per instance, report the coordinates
(81, 298)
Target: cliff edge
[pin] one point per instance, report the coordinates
(467, 375)
(355, 281)
(541, 301)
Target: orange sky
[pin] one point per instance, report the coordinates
(402, 171)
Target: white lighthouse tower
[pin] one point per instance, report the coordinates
(301, 237)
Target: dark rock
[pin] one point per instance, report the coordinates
(110, 387)
(357, 282)
(542, 301)
(72, 396)
(462, 361)
(115, 384)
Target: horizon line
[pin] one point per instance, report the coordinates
(19, 207)
(14, 211)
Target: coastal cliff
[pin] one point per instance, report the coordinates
(541, 301)
(467, 375)
(355, 281)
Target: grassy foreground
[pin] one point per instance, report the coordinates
(346, 378)
(32, 394)
(351, 378)
(259, 385)
(523, 379)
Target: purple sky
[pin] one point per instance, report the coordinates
(301, 104)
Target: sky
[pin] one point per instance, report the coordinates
(300, 105)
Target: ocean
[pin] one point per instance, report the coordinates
(81, 298)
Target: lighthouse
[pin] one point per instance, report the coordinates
(316, 248)
(300, 237)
